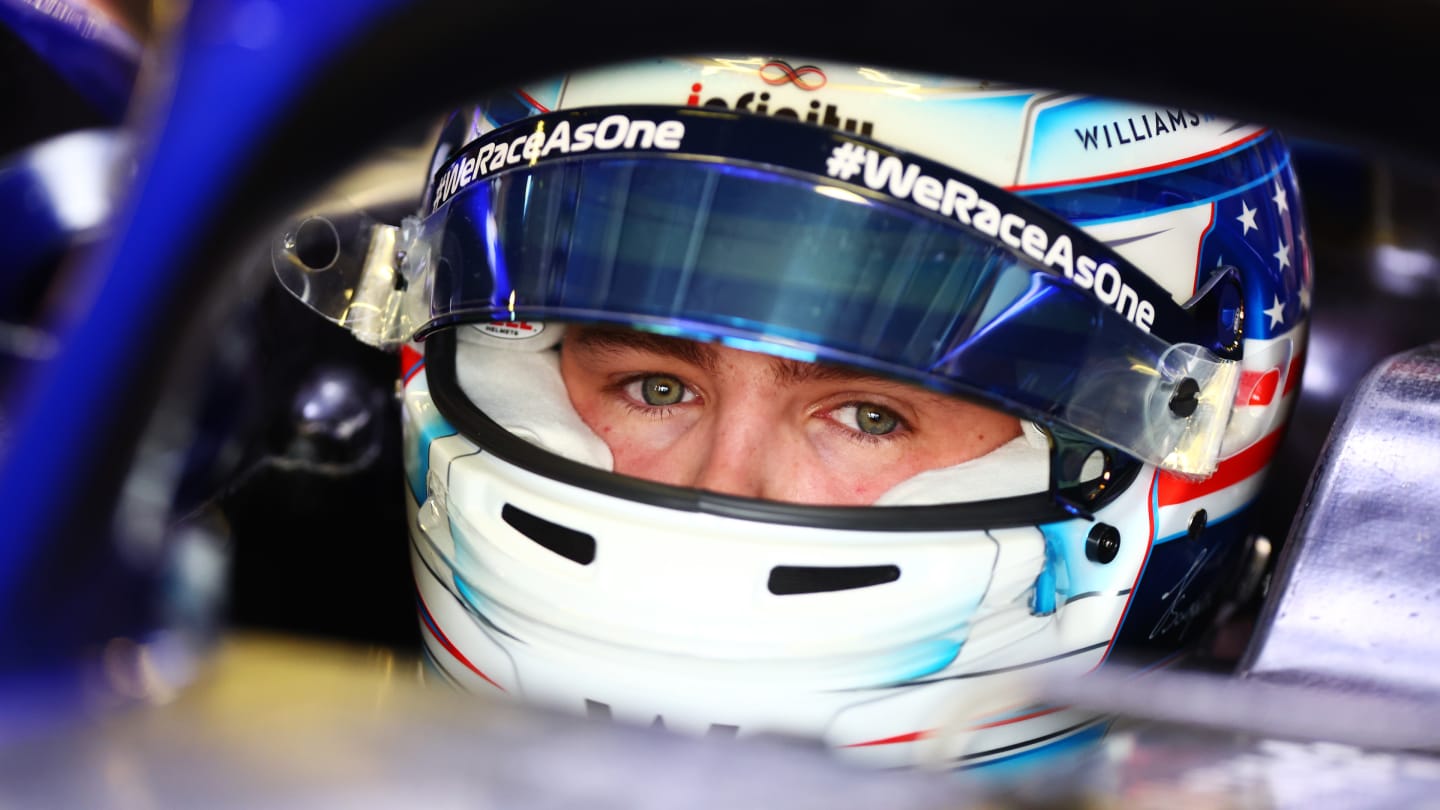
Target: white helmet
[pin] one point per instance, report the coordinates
(1131, 281)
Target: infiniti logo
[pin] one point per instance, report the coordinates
(778, 71)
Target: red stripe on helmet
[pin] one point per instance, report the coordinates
(410, 362)
(1152, 516)
(1200, 248)
(529, 99)
(1007, 721)
(1261, 385)
(1233, 470)
(439, 635)
(899, 738)
(916, 736)
(1100, 178)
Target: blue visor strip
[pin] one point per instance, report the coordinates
(845, 164)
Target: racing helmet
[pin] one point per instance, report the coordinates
(1129, 282)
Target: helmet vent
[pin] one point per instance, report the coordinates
(568, 543)
(792, 579)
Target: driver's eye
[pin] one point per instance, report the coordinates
(660, 390)
(875, 420)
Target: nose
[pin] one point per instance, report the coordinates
(733, 466)
(743, 451)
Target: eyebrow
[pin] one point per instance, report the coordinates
(785, 371)
(612, 340)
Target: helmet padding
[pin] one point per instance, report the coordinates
(1021, 466)
(517, 383)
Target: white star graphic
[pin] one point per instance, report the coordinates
(1247, 219)
(1279, 198)
(1276, 313)
(1282, 255)
(1304, 297)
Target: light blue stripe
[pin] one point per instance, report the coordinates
(430, 430)
(1211, 524)
(1261, 180)
(933, 656)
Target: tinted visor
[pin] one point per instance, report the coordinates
(699, 249)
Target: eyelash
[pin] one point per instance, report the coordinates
(901, 431)
(639, 406)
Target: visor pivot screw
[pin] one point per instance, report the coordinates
(1186, 398)
(1103, 544)
(1197, 524)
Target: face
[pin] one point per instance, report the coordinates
(742, 423)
